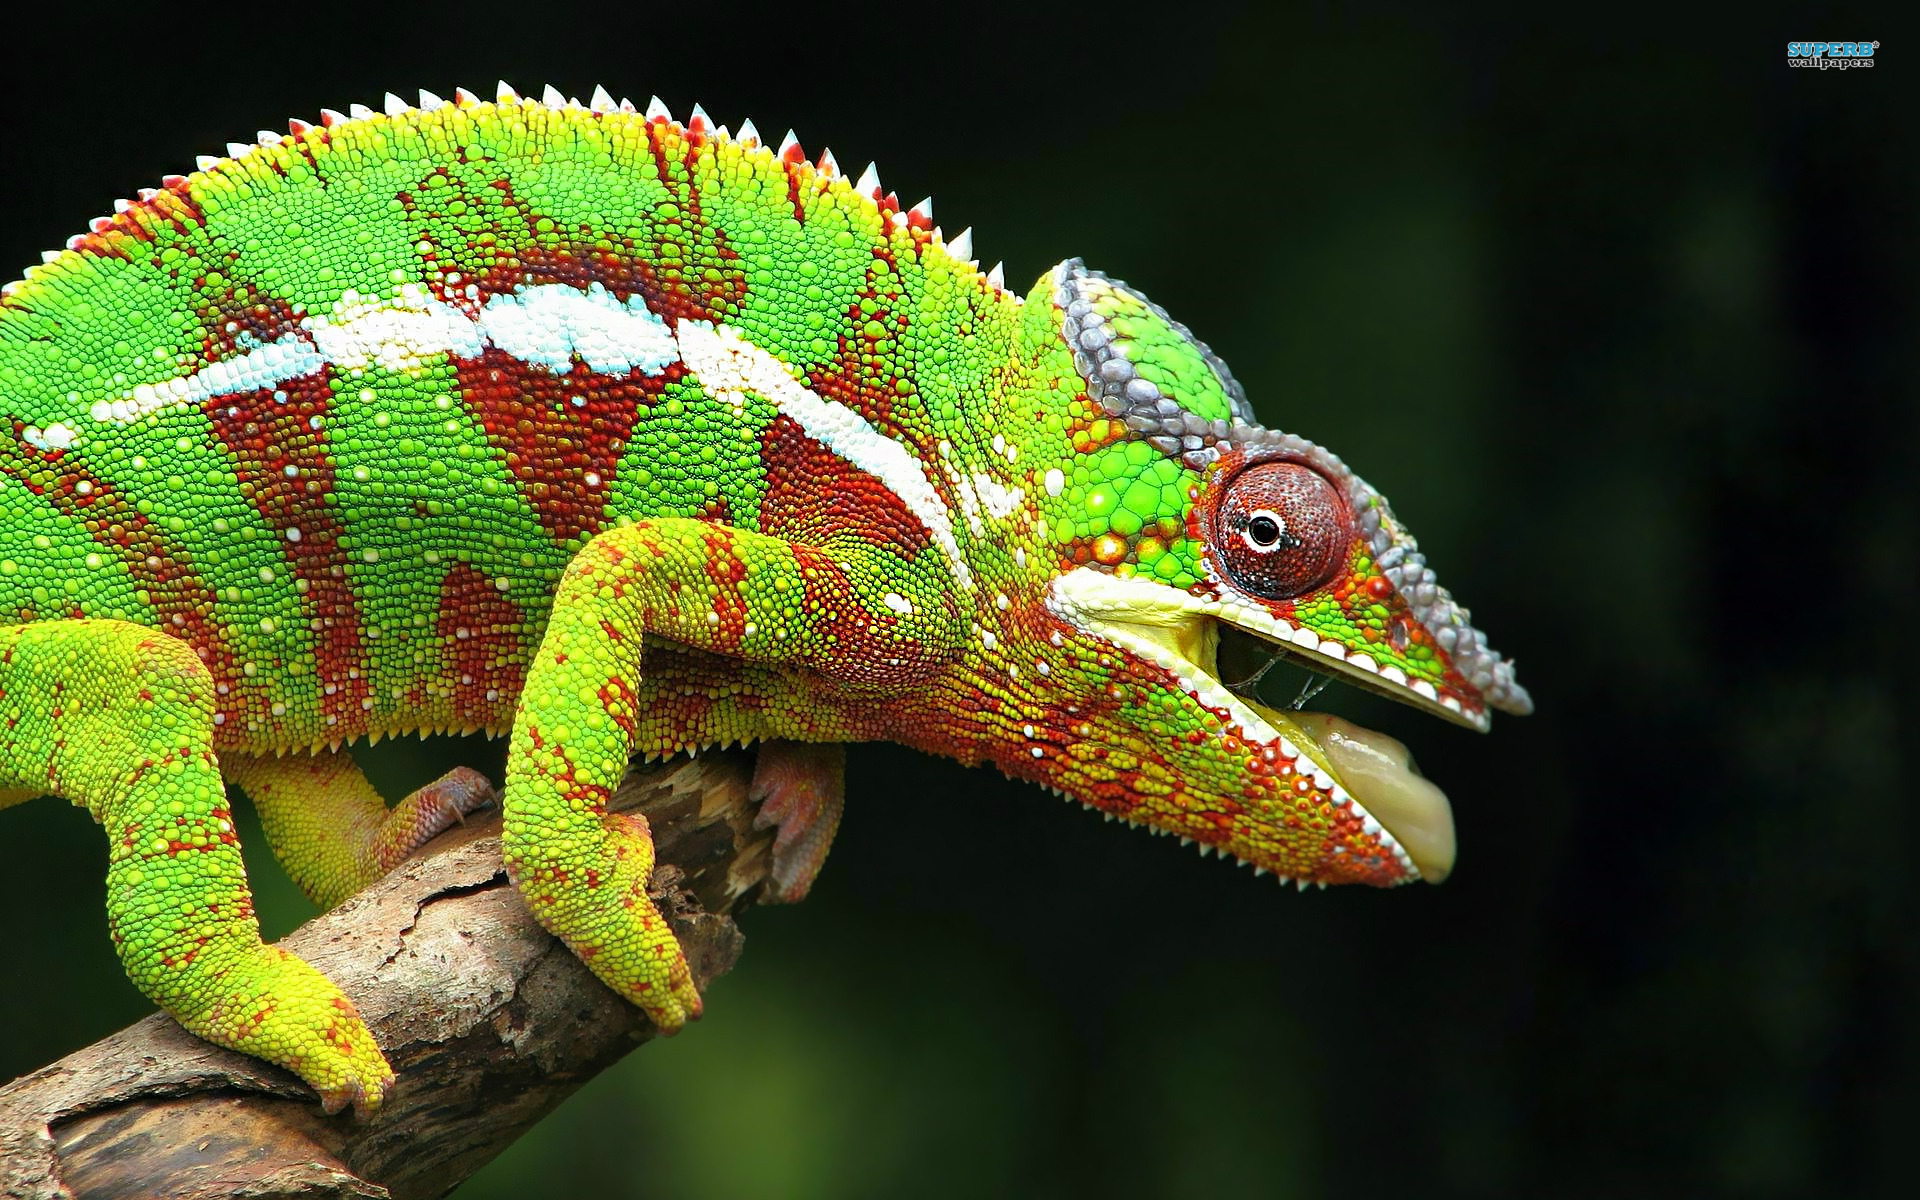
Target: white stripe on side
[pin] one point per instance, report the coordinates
(728, 365)
(548, 326)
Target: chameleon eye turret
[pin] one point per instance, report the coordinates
(1280, 529)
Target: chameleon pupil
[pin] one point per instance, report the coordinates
(1265, 530)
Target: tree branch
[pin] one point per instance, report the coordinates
(488, 1021)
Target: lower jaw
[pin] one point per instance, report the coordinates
(1378, 772)
(1374, 769)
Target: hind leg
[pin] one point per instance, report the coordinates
(332, 831)
(119, 719)
(802, 787)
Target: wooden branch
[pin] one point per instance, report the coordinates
(488, 1021)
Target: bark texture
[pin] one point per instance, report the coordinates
(488, 1022)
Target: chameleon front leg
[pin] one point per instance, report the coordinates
(332, 831)
(119, 719)
(853, 612)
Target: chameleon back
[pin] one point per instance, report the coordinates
(339, 410)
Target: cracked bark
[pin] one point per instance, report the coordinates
(488, 1021)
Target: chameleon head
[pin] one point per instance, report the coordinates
(1175, 521)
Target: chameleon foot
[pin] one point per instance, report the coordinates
(120, 719)
(801, 787)
(330, 828)
(275, 1006)
(581, 869)
(596, 901)
(429, 811)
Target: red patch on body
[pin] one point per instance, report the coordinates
(798, 174)
(483, 634)
(281, 458)
(496, 242)
(562, 435)
(870, 352)
(816, 497)
(729, 576)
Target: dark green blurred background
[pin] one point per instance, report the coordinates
(1621, 315)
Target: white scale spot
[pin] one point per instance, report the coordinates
(997, 498)
(57, 436)
(1056, 482)
(898, 603)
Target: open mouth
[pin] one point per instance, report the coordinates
(1380, 773)
(1406, 812)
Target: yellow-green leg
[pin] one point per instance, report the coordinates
(332, 831)
(119, 719)
(583, 870)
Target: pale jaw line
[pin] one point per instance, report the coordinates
(1119, 610)
(1100, 592)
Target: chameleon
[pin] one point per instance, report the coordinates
(624, 436)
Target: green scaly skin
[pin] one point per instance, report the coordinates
(623, 436)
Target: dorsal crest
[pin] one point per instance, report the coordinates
(432, 113)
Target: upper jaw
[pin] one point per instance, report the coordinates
(1477, 678)
(1153, 605)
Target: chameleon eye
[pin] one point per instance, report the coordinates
(1281, 530)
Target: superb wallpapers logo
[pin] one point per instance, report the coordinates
(1831, 56)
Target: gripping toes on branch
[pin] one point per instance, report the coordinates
(593, 895)
(275, 1006)
(331, 829)
(801, 788)
(581, 869)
